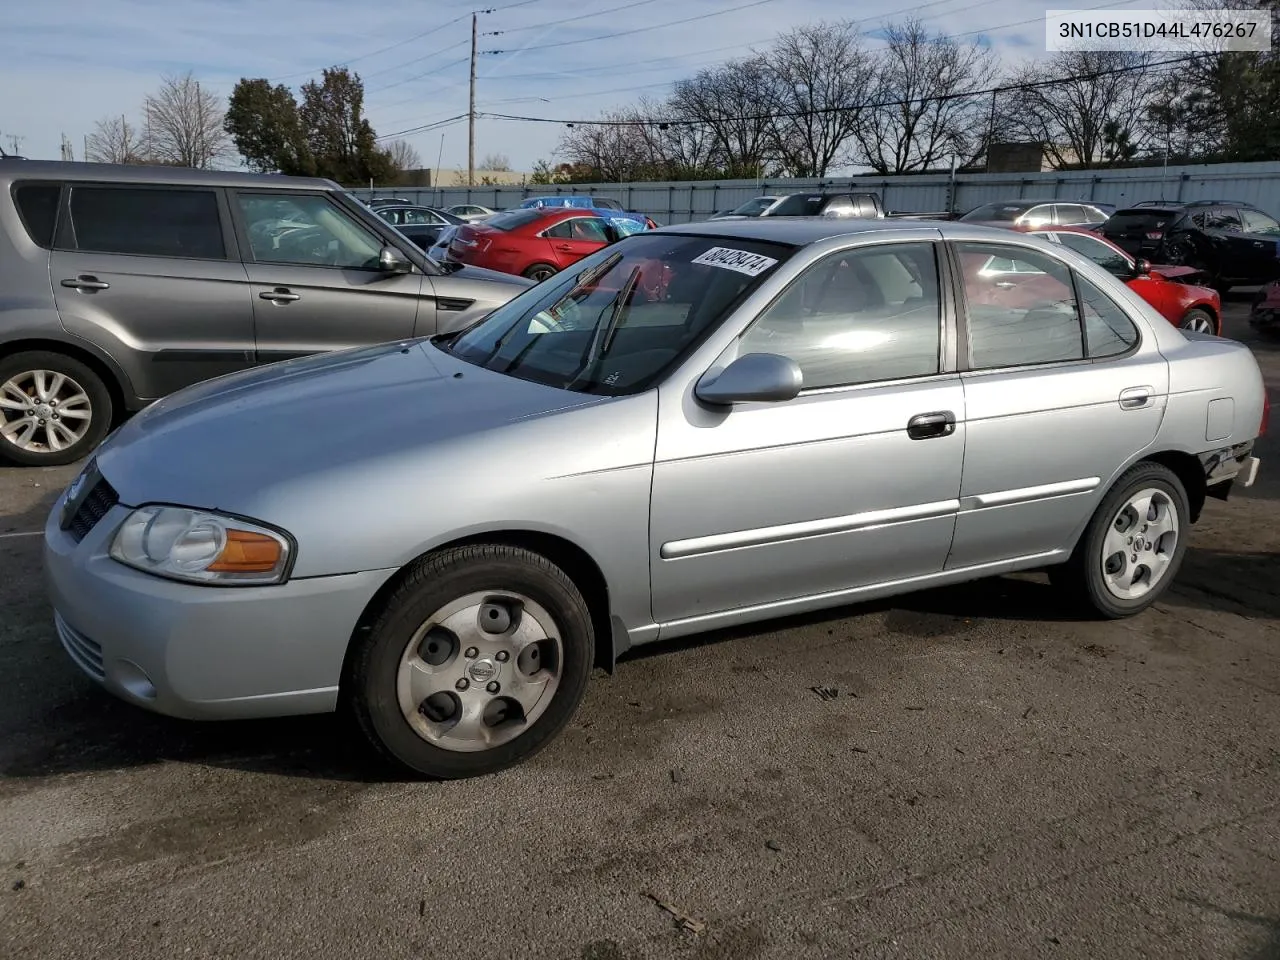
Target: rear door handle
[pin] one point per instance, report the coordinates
(279, 295)
(1135, 398)
(86, 283)
(926, 426)
(565, 247)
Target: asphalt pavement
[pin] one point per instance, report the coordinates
(968, 772)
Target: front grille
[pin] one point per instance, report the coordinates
(86, 654)
(95, 506)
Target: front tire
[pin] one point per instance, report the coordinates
(1133, 547)
(53, 409)
(475, 663)
(1199, 320)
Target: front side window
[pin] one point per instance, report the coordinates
(147, 222)
(1222, 218)
(1255, 221)
(1038, 216)
(1026, 315)
(857, 316)
(1105, 256)
(618, 319)
(306, 230)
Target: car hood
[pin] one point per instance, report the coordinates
(237, 441)
(468, 272)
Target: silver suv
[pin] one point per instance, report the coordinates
(122, 284)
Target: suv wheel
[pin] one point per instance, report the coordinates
(53, 409)
(476, 662)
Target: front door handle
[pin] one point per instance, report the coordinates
(86, 283)
(926, 426)
(1135, 398)
(279, 295)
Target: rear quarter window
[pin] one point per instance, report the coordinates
(37, 205)
(147, 222)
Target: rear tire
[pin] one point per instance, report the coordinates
(1104, 576)
(539, 272)
(54, 409)
(475, 663)
(1200, 320)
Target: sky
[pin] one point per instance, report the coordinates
(64, 66)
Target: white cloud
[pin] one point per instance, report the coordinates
(79, 61)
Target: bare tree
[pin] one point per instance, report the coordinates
(822, 74)
(736, 103)
(403, 155)
(1095, 114)
(924, 106)
(607, 148)
(185, 124)
(495, 161)
(114, 140)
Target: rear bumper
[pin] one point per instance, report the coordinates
(1231, 466)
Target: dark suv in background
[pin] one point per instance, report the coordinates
(1235, 243)
(121, 284)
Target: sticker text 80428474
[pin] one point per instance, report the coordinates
(743, 261)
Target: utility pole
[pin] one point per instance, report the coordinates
(471, 112)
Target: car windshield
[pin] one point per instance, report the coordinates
(753, 208)
(621, 317)
(799, 205)
(997, 211)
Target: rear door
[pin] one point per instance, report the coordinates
(1262, 233)
(152, 274)
(315, 278)
(1059, 392)
(571, 240)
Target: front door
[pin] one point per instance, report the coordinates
(151, 275)
(575, 238)
(1053, 408)
(854, 482)
(315, 278)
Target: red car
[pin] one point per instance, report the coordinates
(1183, 304)
(534, 242)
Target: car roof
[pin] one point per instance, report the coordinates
(138, 173)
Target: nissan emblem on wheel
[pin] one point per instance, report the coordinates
(686, 430)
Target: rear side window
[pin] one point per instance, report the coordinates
(1142, 218)
(38, 207)
(147, 222)
(1108, 330)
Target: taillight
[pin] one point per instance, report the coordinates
(1154, 234)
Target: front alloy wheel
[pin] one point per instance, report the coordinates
(475, 663)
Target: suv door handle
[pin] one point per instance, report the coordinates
(86, 283)
(279, 295)
(925, 426)
(1135, 398)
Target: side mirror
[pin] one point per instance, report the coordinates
(761, 377)
(612, 233)
(1141, 267)
(391, 260)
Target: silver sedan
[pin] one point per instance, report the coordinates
(696, 427)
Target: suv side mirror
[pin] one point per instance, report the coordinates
(1141, 267)
(391, 260)
(760, 377)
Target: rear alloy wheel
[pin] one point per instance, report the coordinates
(478, 660)
(1133, 546)
(540, 271)
(1199, 320)
(53, 409)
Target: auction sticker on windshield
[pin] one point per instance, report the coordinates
(744, 261)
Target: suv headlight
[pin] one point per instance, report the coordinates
(201, 547)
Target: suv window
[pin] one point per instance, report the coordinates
(1222, 218)
(1022, 316)
(306, 230)
(1107, 328)
(857, 316)
(149, 222)
(37, 205)
(607, 204)
(579, 228)
(1255, 221)
(799, 205)
(1038, 215)
(1071, 214)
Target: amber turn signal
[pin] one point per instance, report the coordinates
(247, 552)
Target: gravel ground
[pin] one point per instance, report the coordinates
(991, 779)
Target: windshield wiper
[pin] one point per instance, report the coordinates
(604, 339)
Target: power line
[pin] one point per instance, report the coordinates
(586, 16)
(426, 127)
(941, 98)
(401, 66)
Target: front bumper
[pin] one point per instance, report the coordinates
(200, 652)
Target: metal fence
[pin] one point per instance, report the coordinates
(683, 201)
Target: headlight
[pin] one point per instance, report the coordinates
(201, 547)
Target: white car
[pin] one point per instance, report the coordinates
(471, 211)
